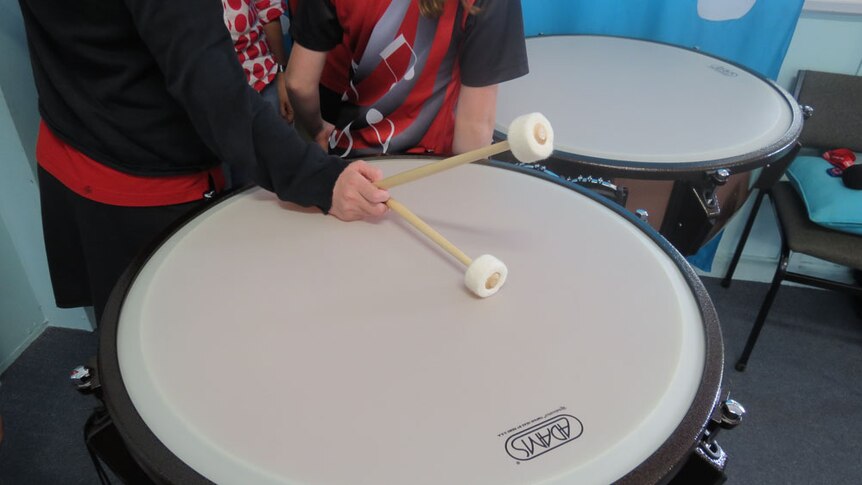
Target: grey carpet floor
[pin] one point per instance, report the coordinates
(802, 387)
(44, 415)
(802, 390)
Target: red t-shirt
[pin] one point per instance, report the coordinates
(398, 73)
(95, 181)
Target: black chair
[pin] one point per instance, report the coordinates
(833, 105)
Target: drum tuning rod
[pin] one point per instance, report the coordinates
(428, 231)
(445, 164)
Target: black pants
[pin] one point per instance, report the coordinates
(90, 244)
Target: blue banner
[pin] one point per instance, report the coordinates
(754, 33)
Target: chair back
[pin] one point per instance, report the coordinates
(836, 110)
(832, 104)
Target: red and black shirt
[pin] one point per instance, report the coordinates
(154, 89)
(398, 73)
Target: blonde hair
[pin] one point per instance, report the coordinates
(434, 8)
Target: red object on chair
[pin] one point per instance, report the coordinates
(841, 158)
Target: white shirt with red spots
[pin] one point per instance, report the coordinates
(245, 19)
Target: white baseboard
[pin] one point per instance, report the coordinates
(762, 269)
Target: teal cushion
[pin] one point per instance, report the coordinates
(830, 203)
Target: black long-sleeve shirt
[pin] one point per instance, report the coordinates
(154, 88)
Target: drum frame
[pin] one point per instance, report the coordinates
(165, 467)
(694, 206)
(601, 167)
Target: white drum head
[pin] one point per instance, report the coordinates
(645, 105)
(264, 343)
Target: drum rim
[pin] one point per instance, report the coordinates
(165, 467)
(660, 171)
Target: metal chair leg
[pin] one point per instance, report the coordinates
(764, 310)
(857, 275)
(740, 245)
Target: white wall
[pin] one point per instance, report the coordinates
(824, 42)
(834, 6)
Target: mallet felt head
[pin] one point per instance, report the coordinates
(485, 275)
(531, 138)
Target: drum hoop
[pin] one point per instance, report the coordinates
(660, 171)
(148, 451)
(165, 467)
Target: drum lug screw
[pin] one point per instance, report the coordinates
(642, 214)
(731, 414)
(720, 176)
(807, 111)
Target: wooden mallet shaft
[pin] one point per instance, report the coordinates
(445, 164)
(428, 231)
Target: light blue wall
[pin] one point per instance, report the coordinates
(22, 255)
(16, 79)
(21, 319)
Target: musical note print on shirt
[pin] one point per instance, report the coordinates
(390, 50)
(373, 118)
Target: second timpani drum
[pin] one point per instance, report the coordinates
(646, 114)
(264, 343)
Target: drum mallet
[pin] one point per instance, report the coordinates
(530, 139)
(485, 274)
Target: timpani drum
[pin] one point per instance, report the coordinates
(647, 114)
(265, 343)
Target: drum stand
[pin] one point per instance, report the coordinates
(693, 210)
(694, 207)
(104, 443)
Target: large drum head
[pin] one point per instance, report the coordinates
(648, 109)
(265, 344)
